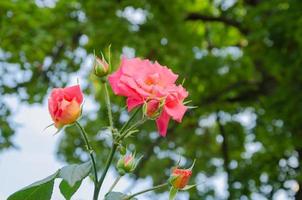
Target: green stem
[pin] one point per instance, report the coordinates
(114, 145)
(131, 128)
(108, 104)
(137, 124)
(147, 190)
(90, 150)
(108, 163)
(115, 182)
(129, 121)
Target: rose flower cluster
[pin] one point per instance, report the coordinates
(145, 84)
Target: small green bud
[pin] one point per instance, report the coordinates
(127, 164)
(101, 67)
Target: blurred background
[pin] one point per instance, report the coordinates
(241, 61)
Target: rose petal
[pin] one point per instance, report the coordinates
(73, 92)
(114, 80)
(68, 114)
(162, 123)
(176, 112)
(132, 103)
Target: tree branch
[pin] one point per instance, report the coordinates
(225, 153)
(252, 2)
(226, 21)
(248, 90)
(237, 85)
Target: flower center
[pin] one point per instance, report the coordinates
(152, 79)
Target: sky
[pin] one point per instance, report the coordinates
(35, 157)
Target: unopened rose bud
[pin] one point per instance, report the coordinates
(127, 164)
(101, 67)
(180, 178)
(152, 109)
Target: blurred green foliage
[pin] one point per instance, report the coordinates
(241, 60)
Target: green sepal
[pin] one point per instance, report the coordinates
(122, 150)
(172, 179)
(129, 133)
(187, 187)
(173, 193)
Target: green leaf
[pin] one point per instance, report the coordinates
(173, 193)
(116, 196)
(67, 191)
(74, 173)
(72, 176)
(41, 190)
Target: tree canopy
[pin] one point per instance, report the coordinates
(241, 60)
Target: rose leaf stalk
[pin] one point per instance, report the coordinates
(147, 190)
(90, 150)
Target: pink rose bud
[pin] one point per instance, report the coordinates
(180, 178)
(64, 105)
(127, 164)
(152, 109)
(101, 67)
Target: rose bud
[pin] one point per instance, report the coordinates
(180, 178)
(127, 164)
(152, 109)
(64, 105)
(101, 67)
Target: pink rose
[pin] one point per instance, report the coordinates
(64, 105)
(142, 81)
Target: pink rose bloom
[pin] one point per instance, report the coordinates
(142, 81)
(64, 105)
